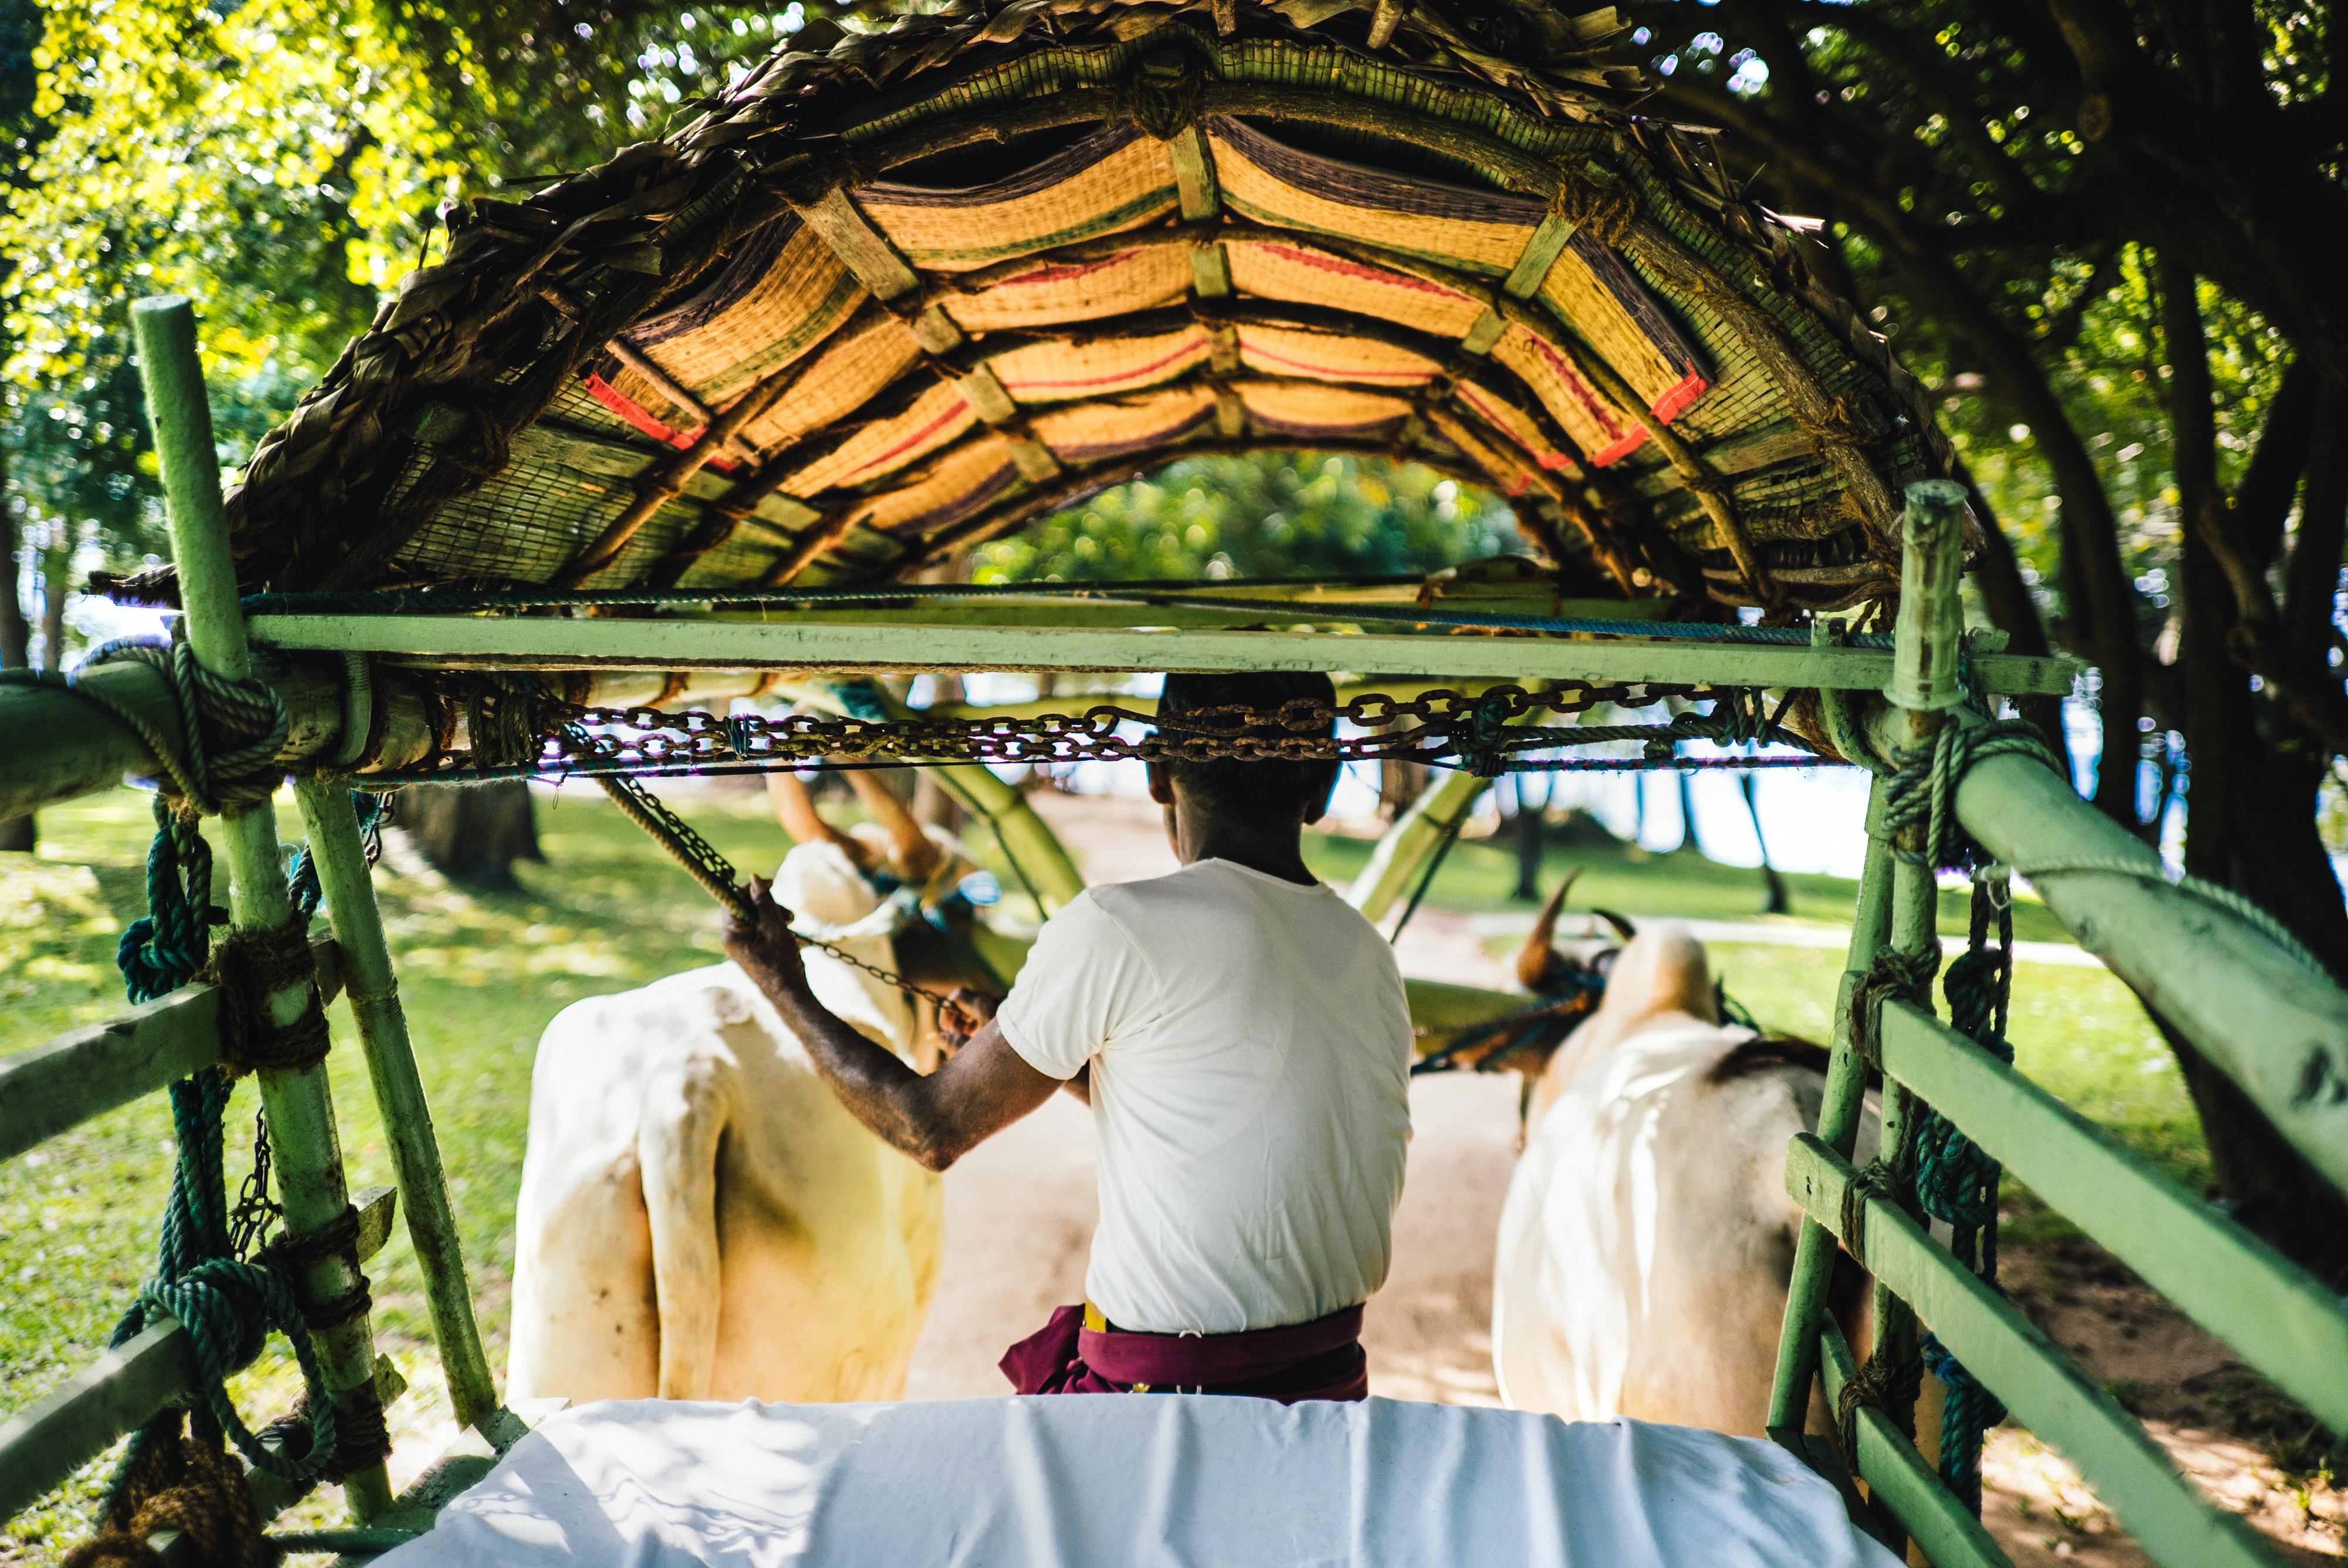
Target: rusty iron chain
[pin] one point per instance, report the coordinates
(1481, 730)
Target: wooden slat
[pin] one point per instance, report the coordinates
(1541, 250)
(674, 642)
(1897, 1478)
(2045, 1389)
(43, 1445)
(52, 1088)
(2234, 1285)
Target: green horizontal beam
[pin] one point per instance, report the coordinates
(42, 1445)
(2232, 1283)
(88, 1072)
(2046, 1391)
(540, 642)
(1897, 1476)
(2274, 1026)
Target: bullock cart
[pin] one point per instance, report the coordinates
(693, 425)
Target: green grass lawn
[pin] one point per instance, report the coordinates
(482, 973)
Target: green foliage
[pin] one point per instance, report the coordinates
(1263, 515)
(285, 162)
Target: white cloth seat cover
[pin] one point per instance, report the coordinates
(1166, 1480)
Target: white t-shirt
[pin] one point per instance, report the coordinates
(1251, 1050)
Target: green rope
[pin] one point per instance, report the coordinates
(1957, 1181)
(1921, 790)
(230, 733)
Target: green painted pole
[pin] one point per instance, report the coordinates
(1027, 838)
(1403, 851)
(300, 1109)
(339, 853)
(2274, 1026)
(1927, 640)
(1839, 1112)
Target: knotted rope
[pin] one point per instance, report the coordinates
(1957, 1182)
(1921, 790)
(181, 1483)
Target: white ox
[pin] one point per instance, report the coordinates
(700, 1217)
(1647, 1238)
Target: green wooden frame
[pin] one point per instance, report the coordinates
(2272, 1025)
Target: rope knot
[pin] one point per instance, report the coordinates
(1879, 1384)
(1167, 89)
(1604, 212)
(1921, 790)
(1486, 722)
(250, 967)
(1873, 1180)
(1892, 973)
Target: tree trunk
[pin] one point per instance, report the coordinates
(1531, 839)
(56, 568)
(15, 638)
(2249, 815)
(471, 832)
(1773, 898)
(2013, 611)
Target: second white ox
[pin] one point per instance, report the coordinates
(700, 1218)
(1647, 1238)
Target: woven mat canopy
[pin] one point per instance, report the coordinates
(897, 292)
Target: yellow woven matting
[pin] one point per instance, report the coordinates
(1297, 273)
(774, 301)
(1115, 180)
(1603, 429)
(1142, 278)
(885, 445)
(1331, 357)
(1028, 164)
(955, 488)
(1311, 412)
(851, 373)
(1092, 432)
(1055, 372)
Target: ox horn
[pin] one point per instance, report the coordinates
(1533, 957)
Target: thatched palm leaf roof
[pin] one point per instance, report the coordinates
(902, 293)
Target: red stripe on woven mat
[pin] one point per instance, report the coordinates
(1321, 261)
(1061, 272)
(635, 413)
(1156, 365)
(915, 439)
(1679, 399)
(1337, 371)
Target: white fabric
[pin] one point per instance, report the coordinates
(1249, 1045)
(1591, 1183)
(1111, 1480)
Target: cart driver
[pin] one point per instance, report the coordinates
(1241, 1036)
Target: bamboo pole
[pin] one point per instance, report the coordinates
(300, 1109)
(1839, 1122)
(1415, 836)
(340, 855)
(1923, 689)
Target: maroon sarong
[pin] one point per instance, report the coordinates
(1321, 1359)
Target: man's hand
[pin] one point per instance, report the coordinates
(966, 1012)
(766, 947)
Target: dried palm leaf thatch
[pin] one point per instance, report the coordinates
(897, 293)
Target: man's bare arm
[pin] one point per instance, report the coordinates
(935, 1119)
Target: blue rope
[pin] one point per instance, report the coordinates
(302, 871)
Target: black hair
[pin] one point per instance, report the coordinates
(1274, 788)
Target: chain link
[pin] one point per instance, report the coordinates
(1479, 730)
(256, 1210)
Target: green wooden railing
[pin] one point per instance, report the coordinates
(2272, 1023)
